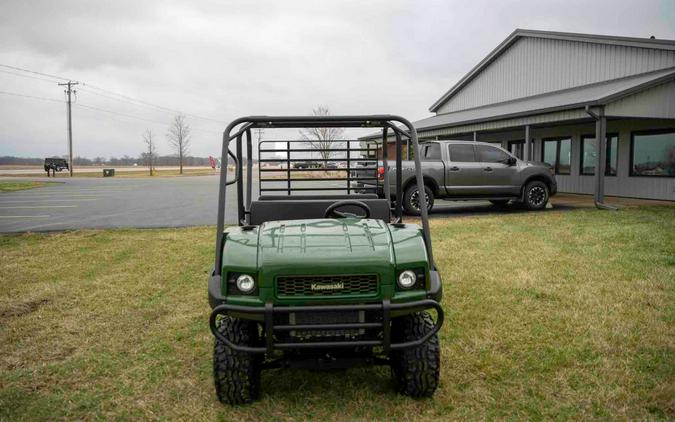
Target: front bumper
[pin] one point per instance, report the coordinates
(268, 312)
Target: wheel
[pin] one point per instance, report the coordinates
(415, 370)
(536, 195)
(411, 199)
(500, 202)
(236, 374)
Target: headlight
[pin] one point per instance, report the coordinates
(407, 279)
(245, 283)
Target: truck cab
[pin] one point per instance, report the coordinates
(467, 170)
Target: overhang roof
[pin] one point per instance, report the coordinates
(577, 97)
(519, 33)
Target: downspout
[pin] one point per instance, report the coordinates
(601, 143)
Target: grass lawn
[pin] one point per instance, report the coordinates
(7, 186)
(557, 314)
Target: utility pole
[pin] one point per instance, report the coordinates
(68, 92)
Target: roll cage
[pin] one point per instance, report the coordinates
(241, 127)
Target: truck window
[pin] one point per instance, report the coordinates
(432, 152)
(488, 154)
(462, 153)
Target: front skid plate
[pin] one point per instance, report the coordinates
(325, 362)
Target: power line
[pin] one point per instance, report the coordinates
(125, 98)
(92, 108)
(31, 96)
(88, 107)
(115, 95)
(34, 72)
(51, 81)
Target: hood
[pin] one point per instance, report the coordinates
(325, 246)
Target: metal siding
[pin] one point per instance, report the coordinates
(509, 123)
(534, 66)
(658, 101)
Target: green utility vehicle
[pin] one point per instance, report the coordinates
(320, 281)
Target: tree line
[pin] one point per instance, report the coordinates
(125, 160)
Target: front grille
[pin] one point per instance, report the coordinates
(338, 285)
(326, 317)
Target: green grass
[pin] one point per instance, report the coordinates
(6, 186)
(561, 315)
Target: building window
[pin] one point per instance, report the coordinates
(653, 153)
(589, 153)
(557, 153)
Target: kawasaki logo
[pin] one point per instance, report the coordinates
(327, 286)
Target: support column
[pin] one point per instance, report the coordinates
(475, 136)
(526, 146)
(601, 153)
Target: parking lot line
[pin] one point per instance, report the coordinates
(37, 206)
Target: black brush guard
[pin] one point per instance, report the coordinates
(268, 312)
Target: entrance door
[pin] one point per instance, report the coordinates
(517, 148)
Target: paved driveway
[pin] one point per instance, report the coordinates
(114, 202)
(139, 203)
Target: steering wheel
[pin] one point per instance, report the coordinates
(331, 211)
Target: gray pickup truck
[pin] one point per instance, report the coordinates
(465, 170)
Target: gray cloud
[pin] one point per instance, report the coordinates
(225, 59)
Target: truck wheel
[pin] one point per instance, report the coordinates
(536, 195)
(411, 199)
(236, 374)
(415, 370)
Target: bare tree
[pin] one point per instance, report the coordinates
(179, 138)
(322, 139)
(151, 152)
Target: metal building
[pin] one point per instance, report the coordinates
(547, 96)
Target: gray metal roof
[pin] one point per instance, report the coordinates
(519, 33)
(593, 94)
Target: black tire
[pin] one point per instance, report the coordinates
(500, 202)
(536, 195)
(416, 370)
(410, 203)
(236, 374)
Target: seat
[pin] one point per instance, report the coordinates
(297, 209)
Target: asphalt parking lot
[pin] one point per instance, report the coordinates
(81, 203)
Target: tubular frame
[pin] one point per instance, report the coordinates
(244, 124)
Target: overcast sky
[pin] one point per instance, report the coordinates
(224, 59)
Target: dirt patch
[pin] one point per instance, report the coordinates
(19, 309)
